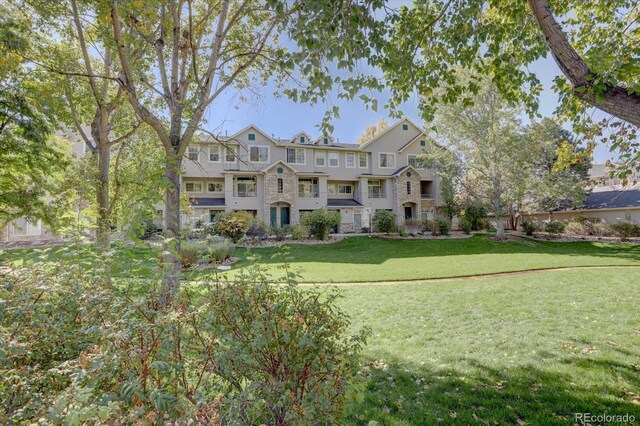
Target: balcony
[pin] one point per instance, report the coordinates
(245, 193)
(426, 195)
(308, 194)
(377, 194)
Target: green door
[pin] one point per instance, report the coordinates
(284, 216)
(274, 214)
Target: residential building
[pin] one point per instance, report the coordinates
(279, 180)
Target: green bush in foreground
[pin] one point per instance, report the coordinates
(554, 227)
(384, 221)
(528, 227)
(320, 222)
(234, 225)
(465, 225)
(626, 229)
(76, 349)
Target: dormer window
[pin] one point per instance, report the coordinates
(302, 139)
(405, 127)
(326, 141)
(252, 136)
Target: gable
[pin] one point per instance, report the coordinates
(393, 138)
(251, 135)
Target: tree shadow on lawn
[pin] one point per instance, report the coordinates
(365, 250)
(395, 395)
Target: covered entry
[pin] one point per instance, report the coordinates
(280, 215)
(409, 210)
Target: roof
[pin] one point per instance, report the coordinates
(613, 199)
(342, 202)
(388, 129)
(207, 202)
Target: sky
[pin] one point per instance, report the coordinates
(281, 117)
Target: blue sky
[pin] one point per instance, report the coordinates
(284, 118)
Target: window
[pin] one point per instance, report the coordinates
(321, 157)
(230, 156)
(363, 160)
(408, 187)
(214, 154)
(405, 127)
(193, 186)
(23, 227)
(295, 155)
(333, 159)
(345, 189)
(192, 153)
(387, 160)
(376, 188)
(350, 159)
(215, 187)
(423, 143)
(280, 186)
(308, 188)
(302, 139)
(252, 136)
(244, 186)
(325, 141)
(331, 188)
(413, 161)
(259, 154)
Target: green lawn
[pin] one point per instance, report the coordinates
(362, 259)
(531, 348)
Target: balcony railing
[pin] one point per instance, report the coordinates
(308, 194)
(377, 194)
(426, 195)
(245, 194)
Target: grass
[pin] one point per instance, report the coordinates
(528, 349)
(363, 259)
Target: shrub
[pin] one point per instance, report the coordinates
(77, 350)
(402, 231)
(257, 230)
(219, 251)
(384, 221)
(465, 225)
(477, 215)
(574, 228)
(441, 227)
(586, 220)
(554, 227)
(600, 229)
(528, 227)
(233, 225)
(149, 228)
(413, 226)
(298, 233)
(192, 253)
(202, 230)
(626, 229)
(320, 221)
(278, 232)
(365, 230)
(428, 225)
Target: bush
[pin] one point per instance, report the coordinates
(192, 253)
(320, 221)
(441, 227)
(586, 220)
(402, 231)
(626, 229)
(413, 226)
(202, 230)
(219, 251)
(554, 227)
(278, 232)
(298, 233)
(465, 225)
(384, 221)
(149, 228)
(528, 227)
(257, 230)
(233, 225)
(428, 225)
(477, 215)
(78, 350)
(575, 228)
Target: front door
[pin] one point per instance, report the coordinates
(408, 213)
(284, 216)
(274, 216)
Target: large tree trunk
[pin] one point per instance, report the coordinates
(171, 249)
(616, 100)
(497, 207)
(99, 132)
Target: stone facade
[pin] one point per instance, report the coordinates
(289, 185)
(401, 195)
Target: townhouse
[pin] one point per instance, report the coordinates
(279, 180)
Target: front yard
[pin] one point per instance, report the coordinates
(364, 259)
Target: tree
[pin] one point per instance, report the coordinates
(596, 51)
(32, 160)
(203, 48)
(372, 129)
(486, 135)
(558, 186)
